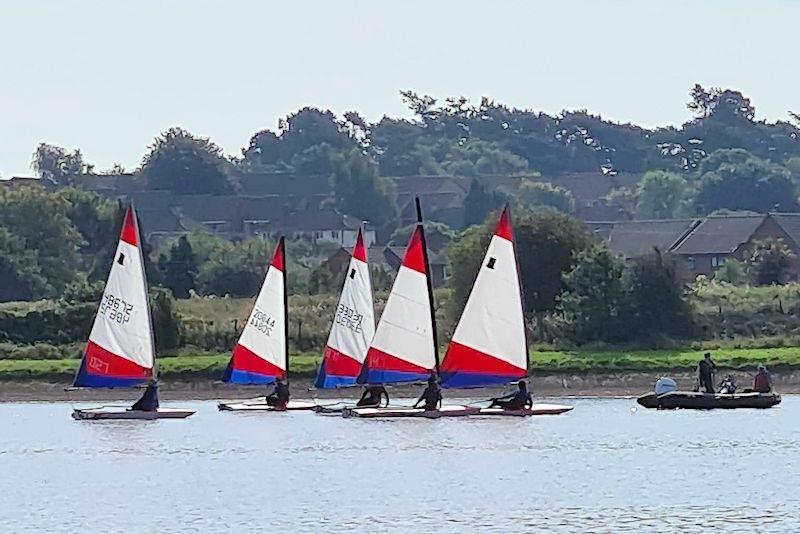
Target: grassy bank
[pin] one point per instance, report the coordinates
(211, 366)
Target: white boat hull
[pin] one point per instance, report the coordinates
(112, 413)
(260, 405)
(536, 409)
(404, 411)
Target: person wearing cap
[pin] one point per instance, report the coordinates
(432, 395)
(514, 401)
(762, 382)
(705, 373)
(149, 400)
(279, 397)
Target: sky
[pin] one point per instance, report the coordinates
(107, 77)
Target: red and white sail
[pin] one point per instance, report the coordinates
(120, 349)
(403, 348)
(260, 356)
(489, 344)
(353, 325)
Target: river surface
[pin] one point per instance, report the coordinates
(607, 466)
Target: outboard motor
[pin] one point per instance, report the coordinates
(665, 385)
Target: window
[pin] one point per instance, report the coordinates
(690, 263)
(717, 261)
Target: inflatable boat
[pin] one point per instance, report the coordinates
(693, 400)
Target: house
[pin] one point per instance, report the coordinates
(636, 238)
(717, 239)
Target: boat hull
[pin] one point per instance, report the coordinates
(536, 409)
(96, 414)
(692, 400)
(260, 405)
(405, 411)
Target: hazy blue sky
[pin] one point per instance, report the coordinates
(108, 76)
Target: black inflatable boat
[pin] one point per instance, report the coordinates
(705, 401)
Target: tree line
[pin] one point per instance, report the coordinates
(719, 159)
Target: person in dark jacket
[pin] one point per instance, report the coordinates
(371, 398)
(432, 395)
(149, 400)
(514, 401)
(279, 397)
(762, 382)
(705, 373)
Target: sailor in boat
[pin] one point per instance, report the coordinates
(279, 397)
(762, 383)
(705, 373)
(371, 398)
(431, 396)
(729, 385)
(149, 400)
(514, 401)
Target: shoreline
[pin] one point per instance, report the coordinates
(543, 385)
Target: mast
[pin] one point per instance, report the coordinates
(282, 246)
(507, 209)
(430, 285)
(146, 289)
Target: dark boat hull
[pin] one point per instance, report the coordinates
(692, 400)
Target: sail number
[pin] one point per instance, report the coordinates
(115, 309)
(349, 318)
(262, 322)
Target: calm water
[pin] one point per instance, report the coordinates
(606, 466)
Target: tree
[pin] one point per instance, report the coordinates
(57, 164)
(179, 268)
(478, 203)
(97, 219)
(167, 324)
(39, 219)
(732, 272)
(361, 192)
(661, 195)
(184, 164)
(546, 195)
(547, 245)
(20, 274)
(593, 303)
(655, 298)
(753, 184)
(769, 261)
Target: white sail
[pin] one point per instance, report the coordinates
(403, 348)
(260, 356)
(120, 348)
(489, 343)
(353, 325)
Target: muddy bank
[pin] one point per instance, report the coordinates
(551, 385)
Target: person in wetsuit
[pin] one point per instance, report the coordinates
(432, 395)
(149, 400)
(705, 373)
(279, 397)
(371, 398)
(514, 401)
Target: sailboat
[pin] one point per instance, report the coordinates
(121, 351)
(404, 348)
(351, 331)
(353, 325)
(489, 345)
(261, 356)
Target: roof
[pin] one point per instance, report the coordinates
(635, 238)
(790, 223)
(719, 235)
